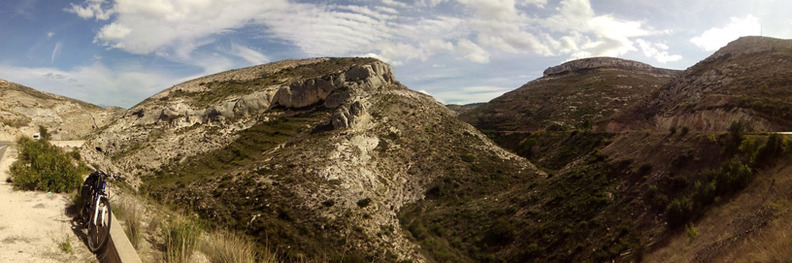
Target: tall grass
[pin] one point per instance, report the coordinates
(225, 247)
(129, 212)
(181, 237)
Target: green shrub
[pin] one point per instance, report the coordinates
(772, 149)
(690, 230)
(43, 166)
(679, 212)
(364, 202)
(736, 130)
(45, 135)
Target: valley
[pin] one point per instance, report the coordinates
(335, 160)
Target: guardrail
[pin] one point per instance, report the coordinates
(118, 248)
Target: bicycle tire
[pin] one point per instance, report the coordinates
(99, 233)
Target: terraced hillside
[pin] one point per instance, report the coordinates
(314, 157)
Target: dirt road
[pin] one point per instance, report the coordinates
(34, 225)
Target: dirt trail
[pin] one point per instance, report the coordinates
(33, 225)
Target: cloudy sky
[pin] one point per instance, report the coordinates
(119, 52)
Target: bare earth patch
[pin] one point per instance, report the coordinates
(35, 224)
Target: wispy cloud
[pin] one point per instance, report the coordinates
(55, 51)
(179, 27)
(95, 83)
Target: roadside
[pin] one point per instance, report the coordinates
(34, 225)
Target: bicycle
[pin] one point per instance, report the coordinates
(96, 212)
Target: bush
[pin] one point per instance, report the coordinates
(43, 166)
(736, 130)
(691, 231)
(679, 212)
(772, 149)
(364, 202)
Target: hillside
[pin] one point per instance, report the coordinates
(746, 81)
(23, 110)
(572, 95)
(315, 157)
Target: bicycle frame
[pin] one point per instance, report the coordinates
(96, 210)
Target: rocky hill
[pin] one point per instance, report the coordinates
(23, 110)
(315, 156)
(746, 81)
(572, 95)
(459, 109)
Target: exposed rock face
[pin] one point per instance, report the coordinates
(23, 110)
(178, 113)
(293, 147)
(745, 81)
(605, 62)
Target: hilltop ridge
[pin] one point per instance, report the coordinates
(605, 62)
(23, 110)
(571, 95)
(745, 81)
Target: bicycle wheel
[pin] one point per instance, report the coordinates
(99, 226)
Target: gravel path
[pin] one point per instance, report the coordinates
(33, 225)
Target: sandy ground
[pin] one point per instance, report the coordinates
(34, 224)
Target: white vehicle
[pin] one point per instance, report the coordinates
(36, 136)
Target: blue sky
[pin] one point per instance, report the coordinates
(119, 52)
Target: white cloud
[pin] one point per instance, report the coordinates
(473, 52)
(658, 51)
(50, 34)
(55, 51)
(717, 37)
(91, 9)
(95, 83)
(390, 29)
(584, 33)
(467, 95)
(251, 56)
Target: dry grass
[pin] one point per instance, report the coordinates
(226, 247)
(129, 212)
(181, 238)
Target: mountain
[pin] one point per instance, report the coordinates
(746, 81)
(315, 157)
(23, 110)
(459, 109)
(571, 95)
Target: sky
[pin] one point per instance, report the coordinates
(119, 52)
